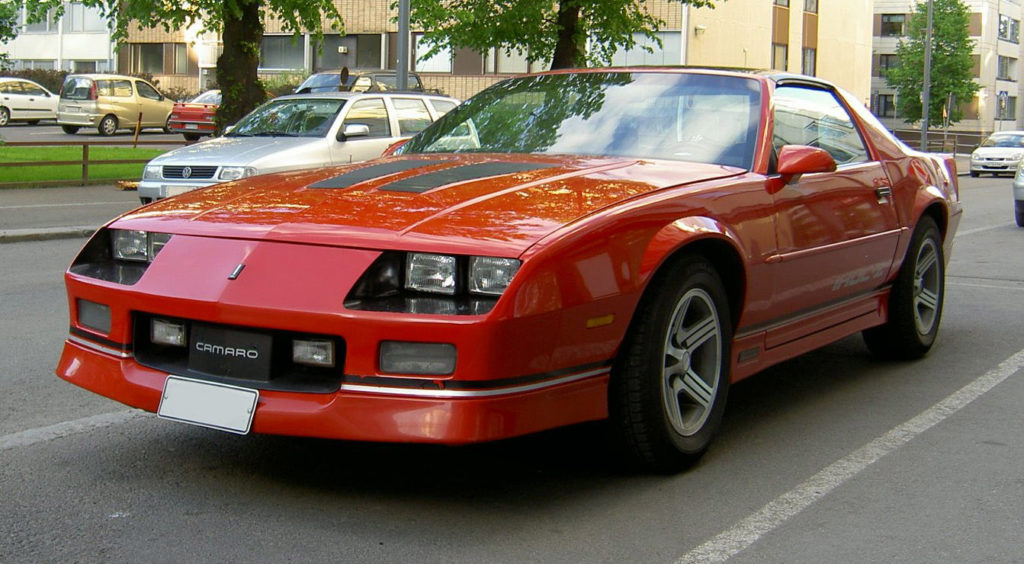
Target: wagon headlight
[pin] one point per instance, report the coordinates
(139, 246)
(152, 172)
(236, 172)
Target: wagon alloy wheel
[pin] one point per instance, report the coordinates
(692, 362)
(915, 301)
(669, 384)
(108, 125)
(5, 116)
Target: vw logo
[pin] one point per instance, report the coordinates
(186, 172)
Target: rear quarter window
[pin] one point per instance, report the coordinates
(118, 88)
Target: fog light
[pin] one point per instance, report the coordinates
(313, 352)
(398, 357)
(163, 332)
(94, 316)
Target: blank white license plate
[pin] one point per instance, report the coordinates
(191, 126)
(173, 190)
(208, 404)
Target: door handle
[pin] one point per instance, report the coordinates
(883, 193)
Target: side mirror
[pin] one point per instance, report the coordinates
(797, 160)
(354, 130)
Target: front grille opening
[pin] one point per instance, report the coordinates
(241, 356)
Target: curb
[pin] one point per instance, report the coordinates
(45, 234)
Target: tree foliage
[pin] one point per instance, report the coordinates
(951, 72)
(240, 23)
(569, 33)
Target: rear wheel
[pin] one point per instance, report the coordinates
(70, 129)
(32, 122)
(1018, 211)
(167, 125)
(191, 136)
(107, 126)
(915, 302)
(5, 116)
(669, 386)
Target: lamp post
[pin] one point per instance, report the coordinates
(926, 91)
(403, 45)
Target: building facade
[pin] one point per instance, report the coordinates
(77, 42)
(995, 29)
(826, 38)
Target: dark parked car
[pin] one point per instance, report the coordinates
(357, 81)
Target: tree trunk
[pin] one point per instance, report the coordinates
(568, 50)
(239, 84)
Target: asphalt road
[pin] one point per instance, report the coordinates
(50, 132)
(831, 457)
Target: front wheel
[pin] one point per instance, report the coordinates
(192, 137)
(974, 174)
(915, 301)
(1018, 211)
(107, 126)
(670, 383)
(5, 116)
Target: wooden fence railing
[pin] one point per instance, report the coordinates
(85, 161)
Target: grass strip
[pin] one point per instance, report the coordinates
(50, 173)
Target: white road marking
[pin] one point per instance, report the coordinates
(66, 429)
(65, 205)
(986, 286)
(748, 531)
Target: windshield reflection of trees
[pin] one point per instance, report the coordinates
(700, 118)
(289, 118)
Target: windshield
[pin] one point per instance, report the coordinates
(208, 97)
(1004, 140)
(289, 118)
(320, 82)
(675, 116)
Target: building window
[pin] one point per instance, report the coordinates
(782, 3)
(441, 62)
(885, 64)
(1007, 108)
(48, 25)
(1007, 68)
(810, 62)
(85, 66)
(282, 52)
(811, 6)
(893, 24)
(180, 58)
(85, 19)
(667, 53)
(886, 106)
(1009, 29)
(780, 54)
(147, 58)
(361, 51)
(32, 64)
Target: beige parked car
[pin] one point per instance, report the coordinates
(110, 102)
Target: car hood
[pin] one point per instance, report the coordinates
(998, 152)
(235, 151)
(498, 204)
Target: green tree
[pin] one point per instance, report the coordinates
(559, 31)
(951, 63)
(240, 23)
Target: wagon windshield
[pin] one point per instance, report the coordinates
(306, 117)
(674, 116)
(1004, 140)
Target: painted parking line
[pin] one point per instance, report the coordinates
(748, 531)
(66, 429)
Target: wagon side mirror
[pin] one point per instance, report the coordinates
(353, 130)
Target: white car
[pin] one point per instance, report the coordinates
(999, 154)
(24, 100)
(295, 132)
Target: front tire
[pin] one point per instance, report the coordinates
(5, 116)
(670, 382)
(974, 174)
(1018, 212)
(107, 126)
(915, 302)
(191, 137)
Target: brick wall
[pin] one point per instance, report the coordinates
(460, 87)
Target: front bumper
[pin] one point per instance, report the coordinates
(165, 188)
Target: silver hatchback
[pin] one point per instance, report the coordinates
(295, 132)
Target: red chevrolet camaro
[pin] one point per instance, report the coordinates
(617, 244)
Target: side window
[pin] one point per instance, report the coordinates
(442, 107)
(11, 88)
(412, 115)
(147, 91)
(809, 116)
(371, 113)
(32, 89)
(120, 88)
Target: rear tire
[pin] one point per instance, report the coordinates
(915, 302)
(191, 136)
(1018, 211)
(32, 122)
(670, 382)
(107, 126)
(70, 129)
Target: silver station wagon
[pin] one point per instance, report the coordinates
(295, 132)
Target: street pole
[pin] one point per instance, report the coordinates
(926, 92)
(403, 45)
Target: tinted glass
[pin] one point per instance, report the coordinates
(675, 116)
(289, 118)
(809, 116)
(208, 97)
(147, 91)
(76, 88)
